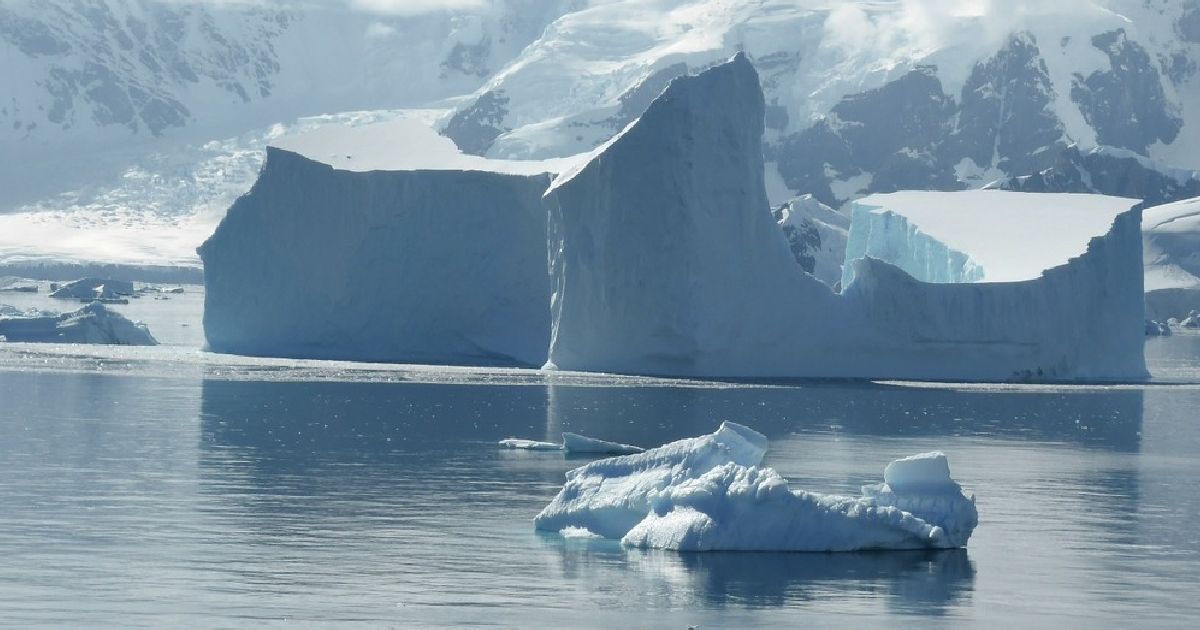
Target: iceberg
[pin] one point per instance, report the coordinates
(90, 289)
(425, 266)
(94, 323)
(710, 493)
(582, 444)
(666, 260)
(609, 496)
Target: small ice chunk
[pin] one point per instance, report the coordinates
(577, 532)
(926, 469)
(529, 445)
(575, 443)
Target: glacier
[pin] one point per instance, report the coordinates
(427, 266)
(93, 323)
(710, 493)
(971, 236)
(666, 260)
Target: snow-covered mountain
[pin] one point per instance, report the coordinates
(863, 97)
(89, 83)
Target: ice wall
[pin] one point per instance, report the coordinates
(415, 266)
(664, 254)
(665, 261)
(890, 237)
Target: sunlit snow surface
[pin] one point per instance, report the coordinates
(999, 236)
(164, 205)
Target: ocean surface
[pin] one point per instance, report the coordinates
(168, 487)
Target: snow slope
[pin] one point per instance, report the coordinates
(709, 494)
(86, 79)
(665, 260)
(817, 236)
(978, 235)
(867, 96)
(428, 266)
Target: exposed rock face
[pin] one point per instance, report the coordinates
(976, 108)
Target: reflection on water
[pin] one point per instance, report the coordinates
(138, 501)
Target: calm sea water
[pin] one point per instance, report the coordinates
(166, 488)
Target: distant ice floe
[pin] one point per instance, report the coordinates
(529, 445)
(575, 443)
(94, 323)
(710, 493)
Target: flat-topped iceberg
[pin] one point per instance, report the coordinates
(94, 323)
(424, 266)
(710, 493)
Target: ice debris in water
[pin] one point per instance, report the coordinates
(529, 445)
(575, 443)
(710, 493)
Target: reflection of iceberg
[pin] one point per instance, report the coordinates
(708, 493)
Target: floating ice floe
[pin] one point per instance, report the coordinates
(575, 443)
(709, 493)
(529, 445)
(90, 289)
(91, 324)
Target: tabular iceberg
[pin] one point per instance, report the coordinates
(665, 260)
(709, 493)
(444, 266)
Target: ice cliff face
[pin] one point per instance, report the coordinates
(665, 261)
(420, 266)
(867, 97)
(663, 248)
